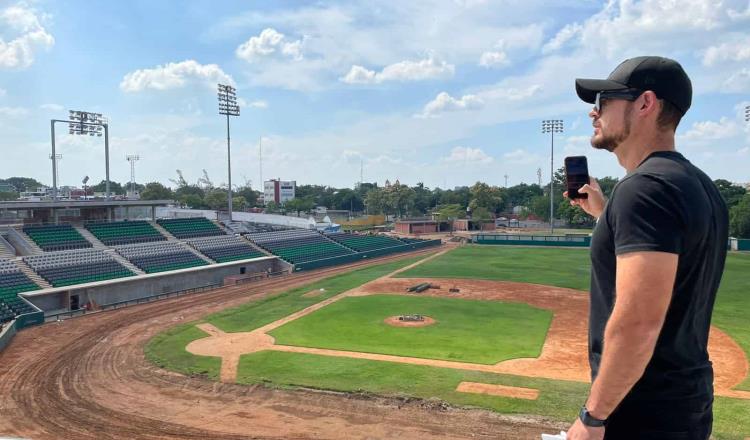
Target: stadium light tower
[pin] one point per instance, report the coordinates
(132, 158)
(747, 113)
(83, 124)
(228, 107)
(55, 158)
(552, 126)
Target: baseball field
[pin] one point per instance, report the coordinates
(501, 329)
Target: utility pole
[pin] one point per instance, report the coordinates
(506, 180)
(539, 176)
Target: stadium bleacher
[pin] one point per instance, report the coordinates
(77, 267)
(160, 256)
(56, 237)
(299, 245)
(225, 248)
(364, 243)
(190, 227)
(124, 232)
(12, 282)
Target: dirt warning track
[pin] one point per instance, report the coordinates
(87, 378)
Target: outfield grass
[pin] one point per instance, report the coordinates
(550, 266)
(167, 350)
(559, 400)
(482, 332)
(252, 315)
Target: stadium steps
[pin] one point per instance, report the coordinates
(124, 261)
(200, 255)
(26, 269)
(262, 250)
(90, 238)
(222, 227)
(7, 251)
(35, 249)
(163, 231)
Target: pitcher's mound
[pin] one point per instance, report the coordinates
(396, 321)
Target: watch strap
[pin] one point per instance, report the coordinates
(589, 420)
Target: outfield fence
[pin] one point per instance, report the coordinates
(532, 240)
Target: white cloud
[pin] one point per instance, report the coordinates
(13, 112)
(269, 43)
(3, 92)
(174, 75)
(52, 107)
(467, 155)
(735, 15)
(425, 69)
(253, 104)
(736, 51)
(707, 131)
(494, 59)
(522, 157)
(738, 81)
(444, 102)
(30, 37)
(567, 33)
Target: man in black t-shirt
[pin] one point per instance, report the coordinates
(657, 255)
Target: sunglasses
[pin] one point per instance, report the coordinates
(626, 94)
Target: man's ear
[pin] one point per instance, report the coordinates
(649, 102)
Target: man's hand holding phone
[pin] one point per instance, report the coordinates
(594, 203)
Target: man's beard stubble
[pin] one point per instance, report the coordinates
(610, 142)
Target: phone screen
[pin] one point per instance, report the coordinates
(576, 175)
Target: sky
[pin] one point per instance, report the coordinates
(441, 92)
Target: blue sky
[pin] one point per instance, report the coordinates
(442, 92)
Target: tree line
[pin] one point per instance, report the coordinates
(482, 200)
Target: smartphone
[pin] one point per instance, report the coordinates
(576, 175)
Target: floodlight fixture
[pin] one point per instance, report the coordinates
(747, 113)
(552, 126)
(228, 106)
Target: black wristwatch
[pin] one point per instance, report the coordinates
(589, 420)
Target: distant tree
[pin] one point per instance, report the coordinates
(539, 206)
(298, 205)
(521, 195)
(6, 196)
(114, 187)
(739, 218)
(607, 184)
(250, 195)
(272, 207)
(485, 196)
(348, 199)
(156, 191)
(481, 213)
(216, 199)
(23, 183)
(375, 201)
(238, 203)
(731, 193)
(450, 212)
(192, 201)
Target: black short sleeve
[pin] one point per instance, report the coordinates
(646, 215)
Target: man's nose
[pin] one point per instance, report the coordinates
(593, 114)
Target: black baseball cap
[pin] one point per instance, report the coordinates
(663, 76)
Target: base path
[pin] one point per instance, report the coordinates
(563, 356)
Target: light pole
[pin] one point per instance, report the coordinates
(228, 107)
(552, 126)
(55, 158)
(132, 158)
(84, 124)
(747, 113)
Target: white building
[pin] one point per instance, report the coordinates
(278, 191)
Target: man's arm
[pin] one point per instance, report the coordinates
(644, 285)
